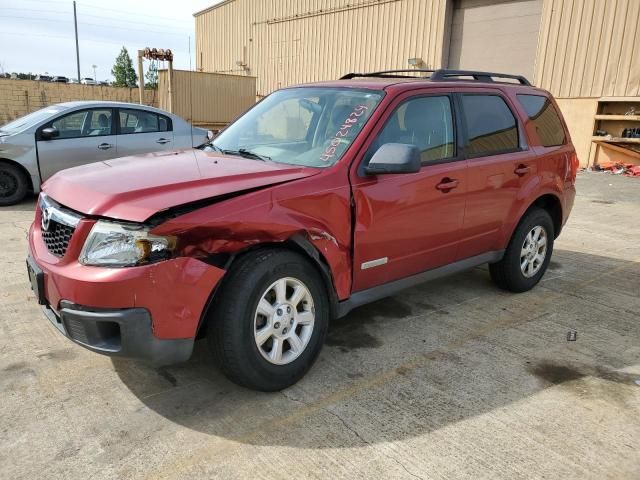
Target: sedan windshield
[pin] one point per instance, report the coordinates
(301, 126)
(30, 120)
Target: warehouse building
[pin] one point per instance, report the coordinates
(579, 50)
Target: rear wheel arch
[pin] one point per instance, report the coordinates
(552, 204)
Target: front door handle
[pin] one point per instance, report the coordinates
(105, 146)
(521, 170)
(162, 141)
(447, 184)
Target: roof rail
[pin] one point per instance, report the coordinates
(386, 73)
(439, 75)
(444, 74)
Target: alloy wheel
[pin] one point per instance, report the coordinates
(284, 320)
(533, 252)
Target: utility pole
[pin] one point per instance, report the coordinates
(141, 76)
(75, 24)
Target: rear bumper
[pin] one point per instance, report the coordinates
(118, 333)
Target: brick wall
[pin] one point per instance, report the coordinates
(19, 97)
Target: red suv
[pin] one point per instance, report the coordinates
(320, 198)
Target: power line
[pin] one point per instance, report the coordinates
(100, 8)
(57, 12)
(66, 37)
(164, 32)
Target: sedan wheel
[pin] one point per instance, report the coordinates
(8, 184)
(13, 184)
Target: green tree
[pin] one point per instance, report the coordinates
(19, 75)
(122, 71)
(152, 75)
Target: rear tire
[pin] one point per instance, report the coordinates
(269, 319)
(14, 184)
(527, 255)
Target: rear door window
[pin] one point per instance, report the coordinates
(545, 118)
(491, 126)
(140, 121)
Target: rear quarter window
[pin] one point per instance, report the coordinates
(545, 119)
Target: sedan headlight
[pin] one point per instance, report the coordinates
(112, 244)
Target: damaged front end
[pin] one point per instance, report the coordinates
(317, 222)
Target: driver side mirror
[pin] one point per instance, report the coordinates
(394, 158)
(49, 133)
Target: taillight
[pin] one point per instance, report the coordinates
(573, 165)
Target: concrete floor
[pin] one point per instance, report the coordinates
(453, 379)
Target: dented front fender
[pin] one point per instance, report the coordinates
(316, 208)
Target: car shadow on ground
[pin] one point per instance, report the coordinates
(431, 356)
(26, 205)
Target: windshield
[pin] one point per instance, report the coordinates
(301, 126)
(30, 120)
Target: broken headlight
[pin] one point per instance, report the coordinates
(111, 244)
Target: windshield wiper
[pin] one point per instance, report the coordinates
(243, 152)
(212, 145)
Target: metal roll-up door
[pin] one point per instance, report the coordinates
(499, 36)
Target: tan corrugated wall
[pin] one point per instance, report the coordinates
(589, 48)
(286, 42)
(207, 98)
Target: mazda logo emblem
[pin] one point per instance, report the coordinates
(46, 219)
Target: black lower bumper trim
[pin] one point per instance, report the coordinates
(119, 333)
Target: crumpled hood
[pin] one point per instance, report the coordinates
(134, 188)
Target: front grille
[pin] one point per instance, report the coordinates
(57, 237)
(57, 225)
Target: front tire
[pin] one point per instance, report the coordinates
(527, 255)
(14, 184)
(269, 319)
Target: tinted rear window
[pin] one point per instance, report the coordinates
(545, 118)
(491, 127)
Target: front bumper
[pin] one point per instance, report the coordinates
(174, 292)
(150, 312)
(119, 333)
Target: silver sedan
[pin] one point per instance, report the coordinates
(34, 147)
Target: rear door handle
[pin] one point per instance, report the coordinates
(105, 146)
(162, 141)
(447, 184)
(522, 170)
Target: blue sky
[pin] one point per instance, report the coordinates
(37, 35)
